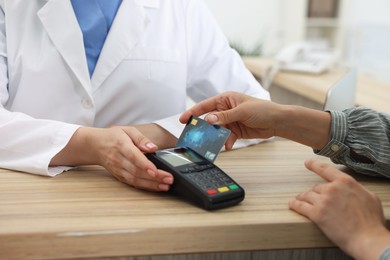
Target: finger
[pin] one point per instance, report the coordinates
(125, 163)
(135, 162)
(301, 207)
(139, 140)
(224, 117)
(318, 187)
(135, 159)
(230, 141)
(164, 177)
(140, 183)
(200, 108)
(150, 174)
(310, 197)
(134, 175)
(324, 170)
(133, 153)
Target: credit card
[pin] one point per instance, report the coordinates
(204, 138)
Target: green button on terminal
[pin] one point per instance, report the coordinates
(233, 187)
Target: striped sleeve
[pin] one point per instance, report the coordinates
(360, 139)
(385, 254)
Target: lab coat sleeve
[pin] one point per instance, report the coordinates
(213, 67)
(27, 144)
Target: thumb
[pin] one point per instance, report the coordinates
(224, 117)
(141, 141)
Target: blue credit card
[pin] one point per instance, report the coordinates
(204, 138)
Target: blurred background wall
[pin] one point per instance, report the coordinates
(358, 29)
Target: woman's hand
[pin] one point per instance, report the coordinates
(246, 116)
(121, 151)
(348, 214)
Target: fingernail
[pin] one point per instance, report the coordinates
(168, 180)
(151, 146)
(212, 118)
(152, 173)
(163, 187)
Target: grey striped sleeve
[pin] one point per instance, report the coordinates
(385, 254)
(360, 139)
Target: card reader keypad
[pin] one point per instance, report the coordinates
(210, 179)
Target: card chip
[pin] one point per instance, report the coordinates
(194, 122)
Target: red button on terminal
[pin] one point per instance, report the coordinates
(211, 192)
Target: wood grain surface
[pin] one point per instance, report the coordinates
(87, 213)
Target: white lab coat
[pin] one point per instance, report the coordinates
(156, 54)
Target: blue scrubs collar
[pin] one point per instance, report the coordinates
(95, 18)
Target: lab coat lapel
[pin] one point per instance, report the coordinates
(59, 20)
(126, 31)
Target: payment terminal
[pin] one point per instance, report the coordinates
(197, 179)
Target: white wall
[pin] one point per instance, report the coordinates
(366, 25)
(372, 11)
(274, 22)
(364, 31)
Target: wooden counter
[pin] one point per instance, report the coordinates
(371, 92)
(86, 213)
